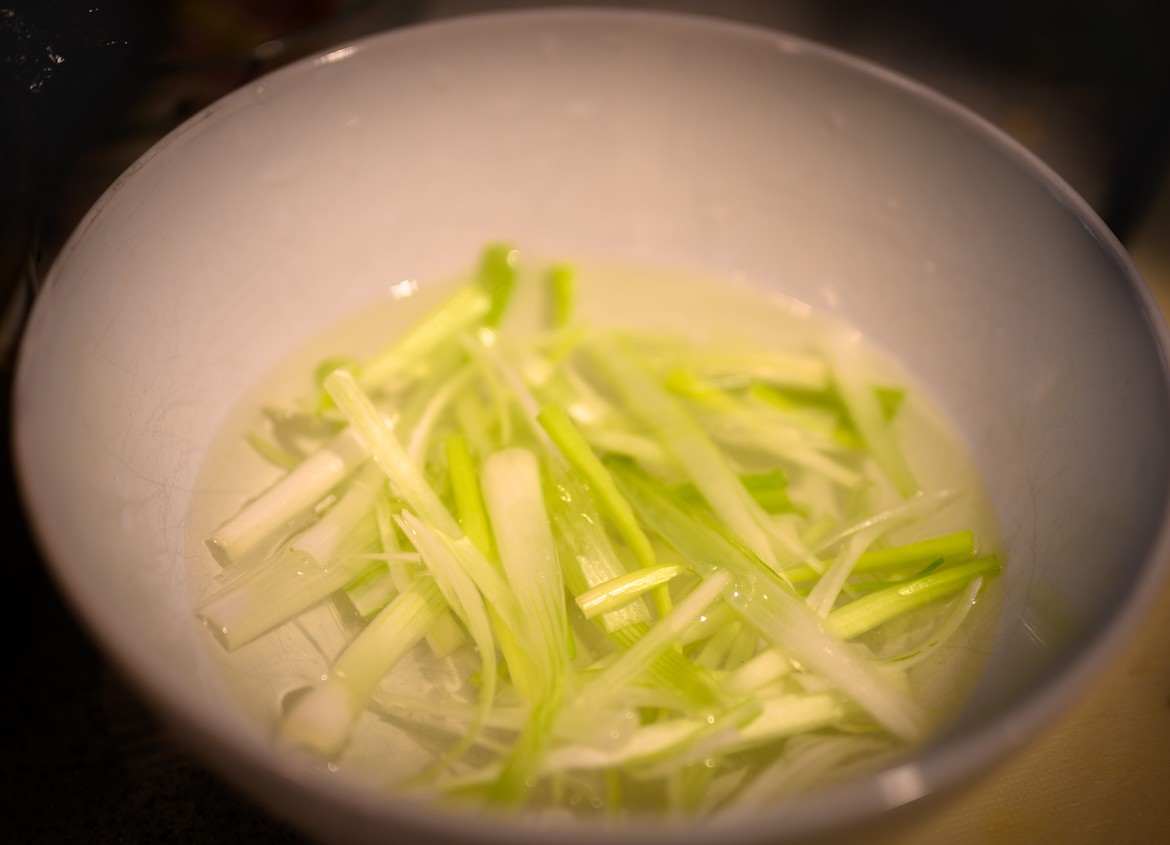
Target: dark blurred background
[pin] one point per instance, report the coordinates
(86, 86)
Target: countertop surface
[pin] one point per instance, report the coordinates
(84, 760)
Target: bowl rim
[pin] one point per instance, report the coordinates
(936, 770)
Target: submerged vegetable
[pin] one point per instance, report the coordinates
(631, 571)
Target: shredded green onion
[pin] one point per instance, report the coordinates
(494, 509)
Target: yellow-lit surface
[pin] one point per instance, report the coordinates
(1100, 774)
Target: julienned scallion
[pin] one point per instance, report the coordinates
(659, 553)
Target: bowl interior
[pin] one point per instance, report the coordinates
(297, 201)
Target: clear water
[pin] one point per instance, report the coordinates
(262, 673)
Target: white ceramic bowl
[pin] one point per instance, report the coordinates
(296, 201)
